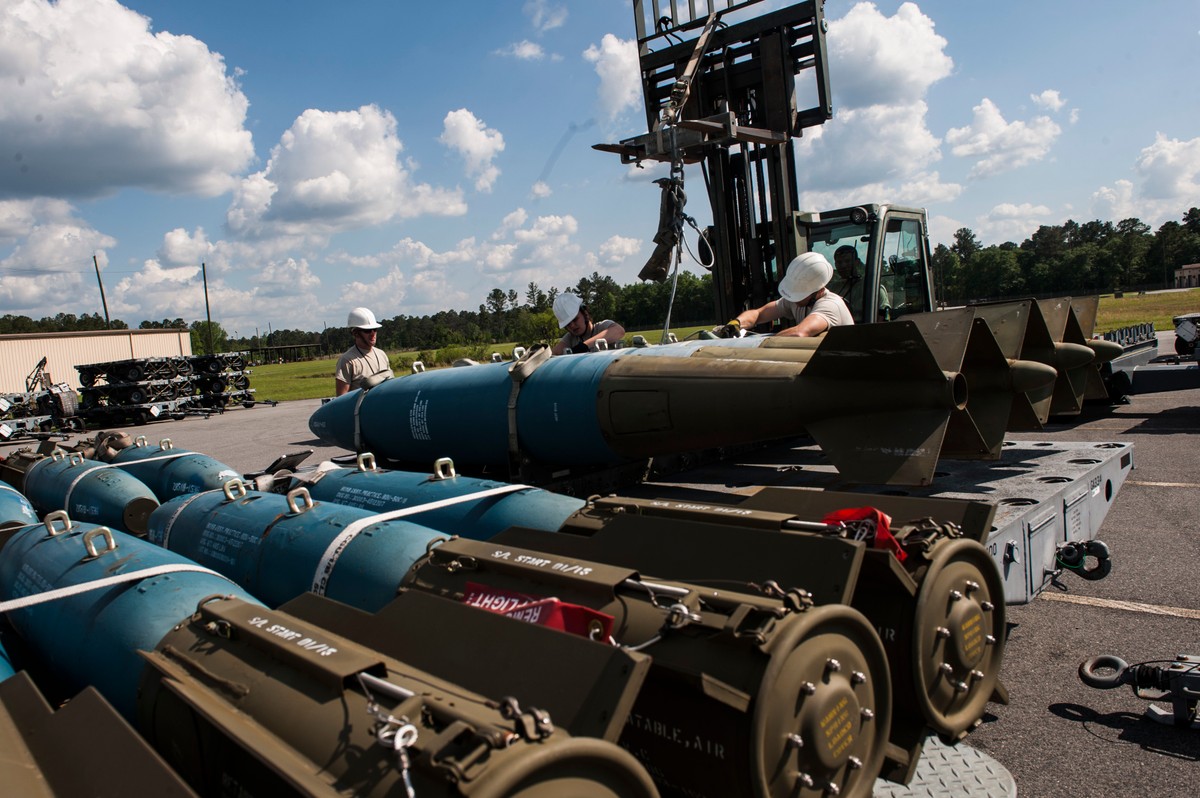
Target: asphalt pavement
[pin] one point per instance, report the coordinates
(1057, 737)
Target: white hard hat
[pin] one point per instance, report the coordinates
(566, 308)
(806, 274)
(362, 319)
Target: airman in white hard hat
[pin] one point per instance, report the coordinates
(363, 364)
(803, 299)
(582, 333)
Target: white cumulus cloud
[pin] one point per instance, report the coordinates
(1166, 181)
(1011, 222)
(878, 145)
(616, 63)
(619, 248)
(999, 145)
(1170, 169)
(861, 145)
(476, 143)
(540, 190)
(49, 259)
(885, 60)
(181, 248)
(334, 171)
(1049, 99)
(93, 100)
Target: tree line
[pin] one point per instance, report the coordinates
(508, 316)
(1092, 257)
(1071, 258)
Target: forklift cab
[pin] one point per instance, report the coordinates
(880, 255)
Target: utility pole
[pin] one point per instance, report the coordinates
(103, 301)
(207, 314)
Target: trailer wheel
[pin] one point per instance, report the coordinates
(1183, 347)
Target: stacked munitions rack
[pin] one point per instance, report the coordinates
(144, 389)
(221, 380)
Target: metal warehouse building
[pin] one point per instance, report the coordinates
(20, 354)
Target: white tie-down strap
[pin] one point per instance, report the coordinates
(108, 581)
(352, 530)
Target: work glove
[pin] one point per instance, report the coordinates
(580, 348)
(731, 329)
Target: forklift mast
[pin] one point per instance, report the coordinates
(730, 90)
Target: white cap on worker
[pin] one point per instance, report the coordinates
(566, 308)
(806, 274)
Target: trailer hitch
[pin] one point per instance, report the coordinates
(1089, 559)
(1178, 680)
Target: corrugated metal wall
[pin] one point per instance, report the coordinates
(19, 354)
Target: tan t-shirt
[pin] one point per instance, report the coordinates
(353, 366)
(831, 306)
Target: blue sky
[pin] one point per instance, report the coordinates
(411, 157)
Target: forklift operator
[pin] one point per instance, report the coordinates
(803, 298)
(849, 284)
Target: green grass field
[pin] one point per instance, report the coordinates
(314, 379)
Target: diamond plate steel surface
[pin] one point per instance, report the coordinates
(952, 771)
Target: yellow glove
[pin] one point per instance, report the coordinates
(731, 329)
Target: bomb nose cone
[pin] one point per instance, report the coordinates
(1105, 350)
(1072, 356)
(1029, 375)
